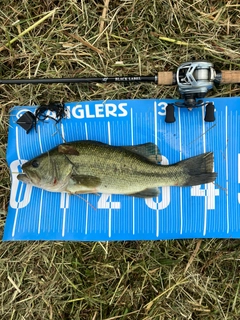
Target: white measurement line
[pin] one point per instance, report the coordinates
(156, 140)
(39, 139)
(64, 222)
(180, 157)
(14, 223)
(16, 213)
(40, 212)
(67, 200)
(63, 133)
(110, 220)
(20, 192)
(205, 198)
(132, 125)
(86, 224)
(17, 145)
(226, 125)
(109, 133)
(64, 206)
(86, 131)
(110, 196)
(133, 199)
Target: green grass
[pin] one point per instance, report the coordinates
(188, 279)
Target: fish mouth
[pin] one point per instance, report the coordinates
(28, 177)
(24, 178)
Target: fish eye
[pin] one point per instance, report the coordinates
(35, 164)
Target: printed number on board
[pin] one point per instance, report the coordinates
(161, 108)
(105, 202)
(209, 192)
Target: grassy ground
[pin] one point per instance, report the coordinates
(194, 279)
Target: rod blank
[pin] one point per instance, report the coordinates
(80, 80)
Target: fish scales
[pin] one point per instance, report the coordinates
(93, 167)
(115, 167)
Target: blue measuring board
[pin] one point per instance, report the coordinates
(206, 211)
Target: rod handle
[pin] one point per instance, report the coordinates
(230, 76)
(166, 78)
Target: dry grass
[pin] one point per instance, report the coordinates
(124, 280)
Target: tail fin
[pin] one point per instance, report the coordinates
(199, 169)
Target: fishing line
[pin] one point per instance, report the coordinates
(29, 120)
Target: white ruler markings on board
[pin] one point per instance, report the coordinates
(64, 196)
(64, 221)
(16, 213)
(156, 141)
(110, 197)
(40, 212)
(133, 199)
(209, 192)
(226, 124)
(39, 139)
(86, 131)
(17, 145)
(63, 133)
(180, 157)
(205, 198)
(86, 224)
(20, 192)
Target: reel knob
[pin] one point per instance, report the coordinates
(170, 113)
(209, 115)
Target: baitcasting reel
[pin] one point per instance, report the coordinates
(194, 80)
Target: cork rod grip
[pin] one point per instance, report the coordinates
(230, 76)
(166, 78)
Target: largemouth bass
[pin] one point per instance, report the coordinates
(94, 167)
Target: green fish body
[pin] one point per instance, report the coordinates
(94, 167)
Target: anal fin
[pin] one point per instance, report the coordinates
(146, 193)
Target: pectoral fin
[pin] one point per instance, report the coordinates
(147, 193)
(149, 150)
(90, 182)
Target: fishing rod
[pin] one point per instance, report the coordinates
(194, 79)
(190, 70)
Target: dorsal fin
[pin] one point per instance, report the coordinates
(66, 148)
(149, 150)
